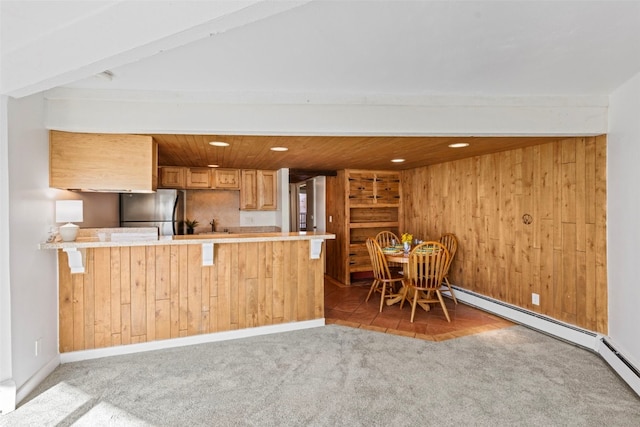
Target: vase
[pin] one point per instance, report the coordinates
(406, 246)
(189, 230)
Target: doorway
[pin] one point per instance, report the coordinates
(306, 204)
(302, 207)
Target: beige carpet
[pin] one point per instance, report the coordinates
(335, 375)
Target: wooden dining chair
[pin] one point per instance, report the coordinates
(386, 239)
(384, 280)
(450, 241)
(427, 266)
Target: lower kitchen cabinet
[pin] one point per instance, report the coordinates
(136, 294)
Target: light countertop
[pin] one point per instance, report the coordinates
(92, 241)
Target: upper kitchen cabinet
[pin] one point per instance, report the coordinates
(267, 190)
(102, 162)
(198, 178)
(226, 179)
(171, 177)
(259, 190)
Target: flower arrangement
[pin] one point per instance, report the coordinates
(407, 237)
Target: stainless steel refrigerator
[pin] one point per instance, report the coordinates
(163, 209)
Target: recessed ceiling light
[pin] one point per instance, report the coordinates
(219, 143)
(214, 166)
(397, 160)
(459, 145)
(279, 149)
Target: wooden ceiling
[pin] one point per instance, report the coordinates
(328, 153)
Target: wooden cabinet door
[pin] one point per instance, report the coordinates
(259, 190)
(198, 178)
(361, 188)
(267, 190)
(171, 177)
(228, 179)
(248, 190)
(388, 188)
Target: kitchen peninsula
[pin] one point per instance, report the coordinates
(141, 291)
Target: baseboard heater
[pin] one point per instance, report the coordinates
(564, 331)
(629, 373)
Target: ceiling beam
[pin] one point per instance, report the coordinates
(124, 32)
(76, 110)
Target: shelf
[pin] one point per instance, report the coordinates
(381, 224)
(360, 269)
(377, 205)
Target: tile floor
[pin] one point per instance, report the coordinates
(345, 305)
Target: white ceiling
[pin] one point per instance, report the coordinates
(351, 49)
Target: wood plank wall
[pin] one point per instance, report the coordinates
(338, 248)
(145, 293)
(560, 255)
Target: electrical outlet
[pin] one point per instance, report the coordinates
(535, 299)
(37, 346)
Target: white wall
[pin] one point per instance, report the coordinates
(99, 209)
(258, 218)
(33, 273)
(623, 227)
(7, 385)
(283, 212)
(320, 193)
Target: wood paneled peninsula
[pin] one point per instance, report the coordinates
(141, 291)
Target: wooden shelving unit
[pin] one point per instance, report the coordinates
(360, 204)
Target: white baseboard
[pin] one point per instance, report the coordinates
(37, 378)
(590, 340)
(184, 341)
(7, 396)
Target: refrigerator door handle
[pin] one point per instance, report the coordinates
(173, 215)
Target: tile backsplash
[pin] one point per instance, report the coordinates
(205, 205)
(224, 206)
